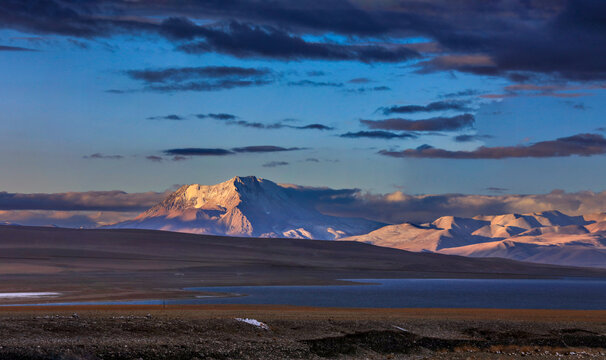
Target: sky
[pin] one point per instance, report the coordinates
(387, 98)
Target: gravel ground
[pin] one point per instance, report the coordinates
(298, 333)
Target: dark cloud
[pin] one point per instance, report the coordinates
(559, 90)
(496, 189)
(218, 116)
(314, 127)
(180, 158)
(560, 41)
(581, 144)
(316, 73)
(431, 107)
(315, 83)
(377, 134)
(206, 78)
(222, 152)
(14, 48)
(167, 117)
(207, 85)
(469, 137)
(440, 123)
(264, 149)
(103, 156)
(362, 90)
(231, 120)
(360, 80)
(154, 158)
(514, 39)
(197, 152)
(189, 73)
(272, 164)
(462, 93)
(245, 40)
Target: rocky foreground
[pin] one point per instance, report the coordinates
(247, 332)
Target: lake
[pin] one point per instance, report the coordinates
(578, 294)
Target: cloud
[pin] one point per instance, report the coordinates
(314, 127)
(264, 149)
(222, 152)
(316, 73)
(315, 83)
(432, 124)
(188, 73)
(360, 80)
(180, 158)
(434, 106)
(205, 78)
(197, 152)
(558, 42)
(81, 201)
(496, 189)
(470, 137)
(103, 156)
(167, 117)
(461, 93)
(272, 164)
(232, 120)
(14, 48)
(377, 134)
(218, 116)
(362, 90)
(559, 90)
(398, 207)
(75, 209)
(580, 144)
(69, 219)
(154, 158)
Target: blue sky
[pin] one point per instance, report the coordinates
(57, 110)
(73, 96)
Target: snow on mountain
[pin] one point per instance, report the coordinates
(246, 206)
(546, 237)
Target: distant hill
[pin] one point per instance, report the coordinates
(549, 237)
(246, 206)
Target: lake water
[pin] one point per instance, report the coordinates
(407, 293)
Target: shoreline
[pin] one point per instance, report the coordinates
(191, 297)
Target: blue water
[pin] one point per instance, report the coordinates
(415, 293)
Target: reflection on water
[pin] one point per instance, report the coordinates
(419, 293)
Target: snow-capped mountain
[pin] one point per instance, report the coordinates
(545, 237)
(246, 206)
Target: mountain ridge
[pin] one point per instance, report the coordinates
(550, 237)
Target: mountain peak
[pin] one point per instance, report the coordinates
(245, 179)
(246, 206)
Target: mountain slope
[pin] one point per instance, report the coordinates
(245, 206)
(548, 237)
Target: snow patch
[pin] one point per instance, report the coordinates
(254, 322)
(27, 295)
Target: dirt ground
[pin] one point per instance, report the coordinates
(212, 332)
